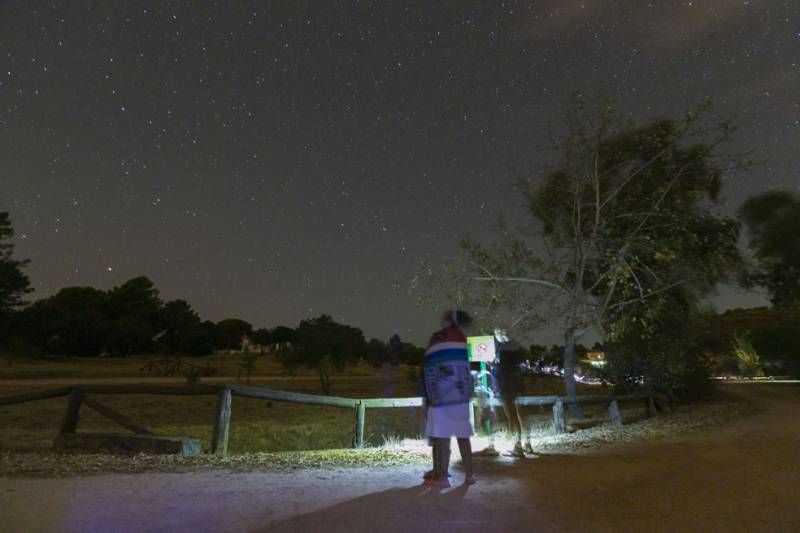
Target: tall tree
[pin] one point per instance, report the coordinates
(662, 349)
(773, 220)
(230, 333)
(281, 337)
(72, 322)
(626, 215)
(132, 310)
(176, 321)
(14, 284)
(376, 352)
(325, 345)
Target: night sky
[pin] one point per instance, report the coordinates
(277, 160)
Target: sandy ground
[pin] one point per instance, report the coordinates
(742, 478)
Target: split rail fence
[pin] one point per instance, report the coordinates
(80, 395)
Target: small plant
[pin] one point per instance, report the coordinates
(749, 360)
(247, 363)
(175, 366)
(392, 442)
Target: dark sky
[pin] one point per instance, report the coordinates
(276, 160)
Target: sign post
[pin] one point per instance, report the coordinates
(482, 350)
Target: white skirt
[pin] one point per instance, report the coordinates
(454, 420)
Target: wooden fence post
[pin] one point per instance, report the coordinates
(70, 422)
(614, 414)
(559, 421)
(222, 423)
(358, 426)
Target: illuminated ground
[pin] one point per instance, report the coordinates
(741, 478)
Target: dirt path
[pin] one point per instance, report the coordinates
(743, 478)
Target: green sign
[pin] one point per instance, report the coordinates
(481, 349)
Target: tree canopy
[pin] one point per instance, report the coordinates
(230, 332)
(626, 217)
(132, 314)
(325, 345)
(14, 284)
(773, 221)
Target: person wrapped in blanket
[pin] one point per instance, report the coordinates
(448, 388)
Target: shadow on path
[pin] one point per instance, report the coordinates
(415, 509)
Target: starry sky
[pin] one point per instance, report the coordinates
(275, 160)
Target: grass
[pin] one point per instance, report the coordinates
(15, 367)
(257, 426)
(54, 465)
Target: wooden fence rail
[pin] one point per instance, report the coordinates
(32, 396)
(79, 395)
(290, 397)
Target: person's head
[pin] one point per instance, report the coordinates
(501, 334)
(456, 317)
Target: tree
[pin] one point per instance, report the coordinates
(538, 352)
(230, 332)
(626, 216)
(281, 338)
(394, 350)
(773, 221)
(412, 354)
(772, 331)
(198, 340)
(80, 327)
(664, 353)
(325, 345)
(176, 321)
(14, 284)
(376, 352)
(133, 312)
(749, 360)
(72, 322)
(261, 336)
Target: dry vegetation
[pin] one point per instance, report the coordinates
(270, 434)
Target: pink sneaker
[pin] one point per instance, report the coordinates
(437, 483)
(470, 480)
(427, 476)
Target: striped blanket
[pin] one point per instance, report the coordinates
(446, 368)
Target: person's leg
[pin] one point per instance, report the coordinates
(489, 425)
(465, 448)
(441, 459)
(526, 432)
(514, 423)
(431, 474)
(444, 459)
(485, 420)
(517, 415)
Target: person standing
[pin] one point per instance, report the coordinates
(448, 388)
(506, 382)
(510, 383)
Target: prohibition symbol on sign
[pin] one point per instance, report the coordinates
(481, 349)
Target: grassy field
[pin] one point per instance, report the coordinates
(75, 368)
(256, 425)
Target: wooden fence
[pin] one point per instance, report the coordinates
(81, 395)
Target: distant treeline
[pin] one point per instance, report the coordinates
(129, 319)
(132, 319)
